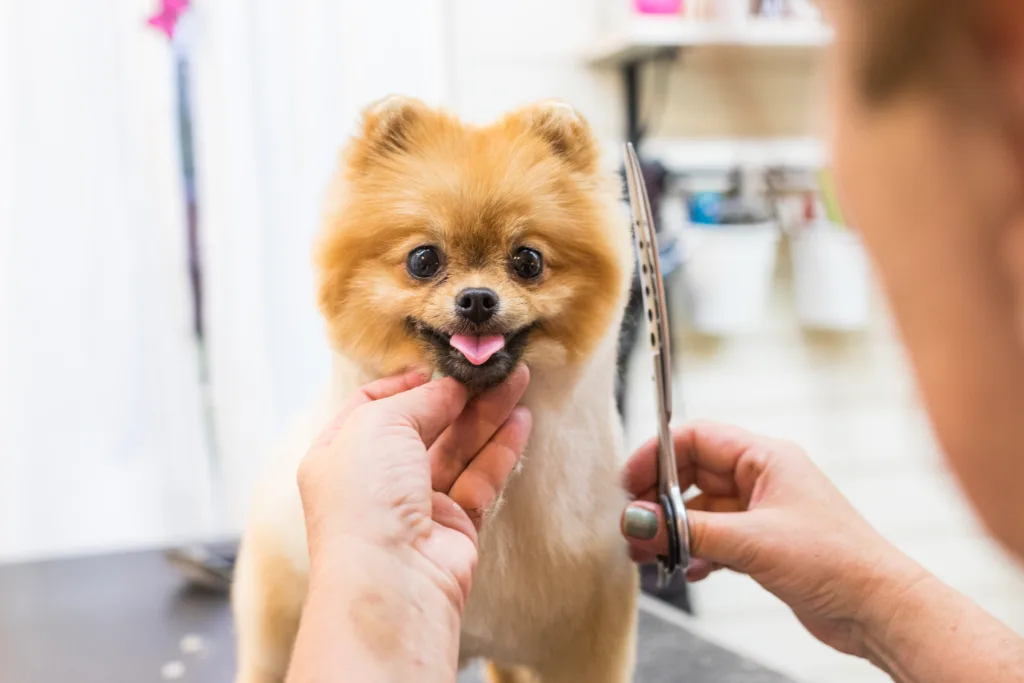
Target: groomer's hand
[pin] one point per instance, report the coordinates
(394, 491)
(767, 511)
(407, 467)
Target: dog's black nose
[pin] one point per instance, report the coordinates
(476, 305)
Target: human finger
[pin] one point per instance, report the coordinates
(483, 480)
(474, 428)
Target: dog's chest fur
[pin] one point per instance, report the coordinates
(557, 523)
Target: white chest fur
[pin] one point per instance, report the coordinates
(558, 520)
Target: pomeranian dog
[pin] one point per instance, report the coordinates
(472, 249)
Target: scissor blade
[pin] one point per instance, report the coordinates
(657, 324)
(650, 277)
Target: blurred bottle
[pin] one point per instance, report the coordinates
(658, 6)
(747, 201)
(705, 193)
(773, 9)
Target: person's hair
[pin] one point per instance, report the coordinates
(908, 43)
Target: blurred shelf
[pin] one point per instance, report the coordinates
(720, 154)
(646, 36)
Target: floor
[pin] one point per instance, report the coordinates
(130, 617)
(666, 653)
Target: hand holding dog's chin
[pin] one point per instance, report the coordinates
(375, 603)
(392, 493)
(367, 492)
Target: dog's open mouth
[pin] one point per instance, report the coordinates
(479, 361)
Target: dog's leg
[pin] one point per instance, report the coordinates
(267, 598)
(603, 649)
(505, 674)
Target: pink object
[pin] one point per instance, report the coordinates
(658, 6)
(166, 18)
(478, 350)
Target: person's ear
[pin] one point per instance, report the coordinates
(1000, 36)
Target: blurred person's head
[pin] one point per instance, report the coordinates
(929, 155)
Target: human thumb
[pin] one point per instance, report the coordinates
(429, 409)
(717, 537)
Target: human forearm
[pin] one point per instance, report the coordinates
(930, 633)
(368, 618)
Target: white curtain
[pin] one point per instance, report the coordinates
(278, 87)
(101, 440)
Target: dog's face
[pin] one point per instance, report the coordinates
(470, 249)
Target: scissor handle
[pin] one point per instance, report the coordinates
(669, 492)
(670, 561)
(677, 528)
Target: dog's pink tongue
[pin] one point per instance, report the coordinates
(478, 350)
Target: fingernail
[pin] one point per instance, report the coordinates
(640, 523)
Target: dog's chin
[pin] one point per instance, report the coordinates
(451, 363)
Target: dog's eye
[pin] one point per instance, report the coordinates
(527, 263)
(423, 263)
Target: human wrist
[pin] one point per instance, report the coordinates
(395, 614)
(934, 634)
(893, 612)
(352, 562)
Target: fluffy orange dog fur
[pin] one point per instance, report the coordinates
(554, 594)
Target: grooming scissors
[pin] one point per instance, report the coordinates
(669, 495)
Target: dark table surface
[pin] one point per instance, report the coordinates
(130, 618)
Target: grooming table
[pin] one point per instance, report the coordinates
(129, 618)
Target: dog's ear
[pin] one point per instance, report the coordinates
(388, 128)
(564, 130)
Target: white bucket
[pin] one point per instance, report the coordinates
(730, 270)
(734, 11)
(831, 279)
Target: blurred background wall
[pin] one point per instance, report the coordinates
(100, 438)
(103, 442)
